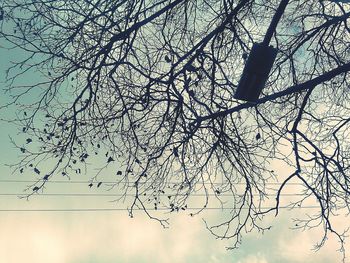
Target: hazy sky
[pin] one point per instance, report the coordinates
(113, 237)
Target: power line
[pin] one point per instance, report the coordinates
(121, 195)
(113, 182)
(138, 209)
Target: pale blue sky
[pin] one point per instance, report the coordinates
(112, 237)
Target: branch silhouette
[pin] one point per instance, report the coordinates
(144, 90)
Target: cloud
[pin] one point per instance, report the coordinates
(72, 238)
(29, 239)
(254, 259)
(113, 237)
(298, 246)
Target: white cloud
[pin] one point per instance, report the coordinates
(297, 246)
(113, 237)
(70, 238)
(254, 259)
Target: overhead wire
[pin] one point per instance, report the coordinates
(113, 182)
(121, 195)
(139, 209)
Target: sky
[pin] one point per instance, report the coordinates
(113, 237)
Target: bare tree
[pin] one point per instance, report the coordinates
(153, 82)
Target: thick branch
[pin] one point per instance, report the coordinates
(293, 89)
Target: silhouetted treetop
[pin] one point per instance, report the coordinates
(149, 86)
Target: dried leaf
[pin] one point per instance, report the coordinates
(258, 136)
